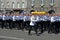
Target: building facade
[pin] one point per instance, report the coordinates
(27, 4)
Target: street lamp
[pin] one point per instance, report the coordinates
(42, 5)
(33, 2)
(52, 4)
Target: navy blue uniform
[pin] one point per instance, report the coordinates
(13, 21)
(46, 22)
(26, 21)
(8, 20)
(54, 24)
(1, 20)
(19, 21)
(56, 28)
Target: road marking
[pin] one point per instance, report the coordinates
(11, 38)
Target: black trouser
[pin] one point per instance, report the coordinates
(40, 26)
(30, 29)
(26, 25)
(51, 27)
(3, 24)
(19, 24)
(46, 25)
(56, 27)
(13, 24)
(9, 24)
(0, 23)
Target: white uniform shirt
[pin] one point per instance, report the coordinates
(33, 20)
(59, 18)
(17, 18)
(24, 18)
(52, 19)
(13, 18)
(3, 17)
(0, 16)
(37, 18)
(44, 18)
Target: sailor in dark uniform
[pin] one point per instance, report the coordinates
(46, 22)
(52, 24)
(17, 20)
(26, 21)
(13, 21)
(59, 22)
(20, 21)
(41, 23)
(56, 28)
(1, 20)
(8, 21)
(38, 24)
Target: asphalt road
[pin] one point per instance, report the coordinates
(6, 34)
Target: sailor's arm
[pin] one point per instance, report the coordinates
(33, 19)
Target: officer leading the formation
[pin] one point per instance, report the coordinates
(32, 24)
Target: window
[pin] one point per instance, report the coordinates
(13, 5)
(18, 4)
(23, 5)
(33, 2)
(51, 1)
(42, 1)
(2, 4)
(7, 4)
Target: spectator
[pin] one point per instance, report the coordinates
(51, 11)
(32, 11)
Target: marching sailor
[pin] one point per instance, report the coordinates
(56, 28)
(32, 24)
(52, 24)
(9, 20)
(26, 21)
(1, 19)
(18, 21)
(13, 21)
(41, 23)
(21, 21)
(46, 22)
(3, 22)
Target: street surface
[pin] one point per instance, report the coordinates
(7, 34)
